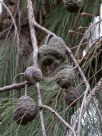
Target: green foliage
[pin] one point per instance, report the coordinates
(7, 62)
(53, 96)
(60, 22)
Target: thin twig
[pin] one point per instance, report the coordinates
(98, 87)
(93, 45)
(59, 117)
(42, 28)
(74, 102)
(17, 86)
(41, 111)
(90, 27)
(82, 109)
(13, 20)
(98, 111)
(16, 33)
(74, 125)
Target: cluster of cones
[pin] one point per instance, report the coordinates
(48, 55)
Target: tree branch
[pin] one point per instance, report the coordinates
(32, 32)
(35, 58)
(13, 86)
(59, 117)
(42, 28)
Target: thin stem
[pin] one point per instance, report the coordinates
(26, 88)
(90, 27)
(16, 86)
(59, 117)
(41, 111)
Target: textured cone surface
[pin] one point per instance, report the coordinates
(52, 51)
(26, 110)
(58, 45)
(65, 77)
(71, 94)
(33, 74)
(73, 5)
(55, 48)
(47, 60)
(56, 41)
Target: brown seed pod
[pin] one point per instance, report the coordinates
(47, 60)
(73, 5)
(65, 77)
(51, 51)
(57, 45)
(71, 94)
(26, 110)
(57, 41)
(49, 65)
(55, 49)
(33, 74)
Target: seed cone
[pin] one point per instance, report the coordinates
(65, 77)
(33, 74)
(71, 94)
(26, 110)
(73, 5)
(58, 47)
(47, 60)
(55, 49)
